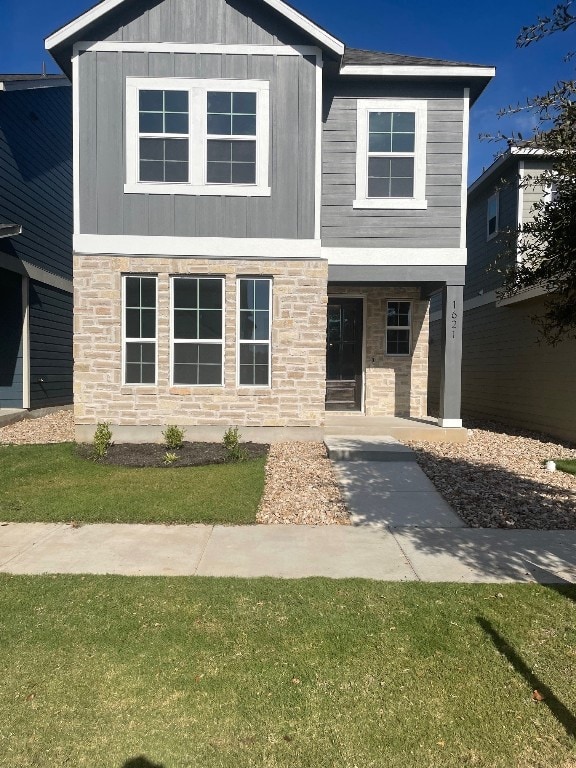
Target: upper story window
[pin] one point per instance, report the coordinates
(197, 137)
(493, 216)
(391, 153)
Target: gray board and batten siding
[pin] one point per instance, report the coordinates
(106, 210)
(439, 225)
(36, 177)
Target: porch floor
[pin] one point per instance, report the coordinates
(341, 423)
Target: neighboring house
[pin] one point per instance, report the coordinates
(35, 241)
(508, 374)
(240, 174)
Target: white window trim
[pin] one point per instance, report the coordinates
(268, 341)
(197, 90)
(363, 109)
(126, 340)
(495, 196)
(221, 341)
(399, 328)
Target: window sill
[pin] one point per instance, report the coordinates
(392, 203)
(492, 236)
(228, 190)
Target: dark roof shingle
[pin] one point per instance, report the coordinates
(358, 56)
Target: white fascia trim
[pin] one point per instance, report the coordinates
(77, 25)
(520, 205)
(318, 149)
(25, 343)
(396, 257)
(416, 70)
(463, 193)
(40, 82)
(197, 247)
(76, 141)
(516, 151)
(240, 49)
(450, 423)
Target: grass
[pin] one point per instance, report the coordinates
(316, 673)
(50, 483)
(567, 465)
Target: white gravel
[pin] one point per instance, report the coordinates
(498, 480)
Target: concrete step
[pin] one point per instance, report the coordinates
(367, 448)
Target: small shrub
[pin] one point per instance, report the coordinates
(170, 458)
(102, 440)
(173, 437)
(231, 440)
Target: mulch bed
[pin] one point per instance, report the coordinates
(154, 454)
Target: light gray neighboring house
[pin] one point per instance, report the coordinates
(261, 217)
(508, 375)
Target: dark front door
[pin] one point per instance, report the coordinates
(344, 355)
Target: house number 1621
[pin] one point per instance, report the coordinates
(454, 321)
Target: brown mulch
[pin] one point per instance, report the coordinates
(154, 455)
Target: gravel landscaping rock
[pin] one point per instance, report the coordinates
(301, 487)
(55, 427)
(498, 480)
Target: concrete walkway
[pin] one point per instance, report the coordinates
(402, 531)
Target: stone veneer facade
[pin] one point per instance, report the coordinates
(395, 385)
(296, 397)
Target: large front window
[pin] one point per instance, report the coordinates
(139, 316)
(391, 153)
(254, 331)
(197, 330)
(197, 137)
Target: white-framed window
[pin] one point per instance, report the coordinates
(391, 153)
(398, 327)
(197, 331)
(551, 192)
(493, 216)
(197, 136)
(139, 329)
(254, 323)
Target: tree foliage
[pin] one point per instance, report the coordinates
(546, 245)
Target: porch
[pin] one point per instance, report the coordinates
(350, 424)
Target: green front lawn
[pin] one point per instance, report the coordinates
(221, 673)
(50, 483)
(567, 465)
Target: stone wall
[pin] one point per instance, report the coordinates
(395, 385)
(296, 397)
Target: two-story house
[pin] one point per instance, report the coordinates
(261, 216)
(35, 242)
(509, 374)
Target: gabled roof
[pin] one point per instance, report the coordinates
(77, 25)
(22, 81)
(501, 163)
(362, 57)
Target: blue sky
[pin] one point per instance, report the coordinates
(457, 30)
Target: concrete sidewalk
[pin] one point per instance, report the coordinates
(402, 530)
(400, 554)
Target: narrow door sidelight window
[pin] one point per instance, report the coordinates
(197, 330)
(140, 333)
(254, 331)
(399, 328)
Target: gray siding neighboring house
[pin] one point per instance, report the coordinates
(508, 374)
(331, 220)
(35, 241)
